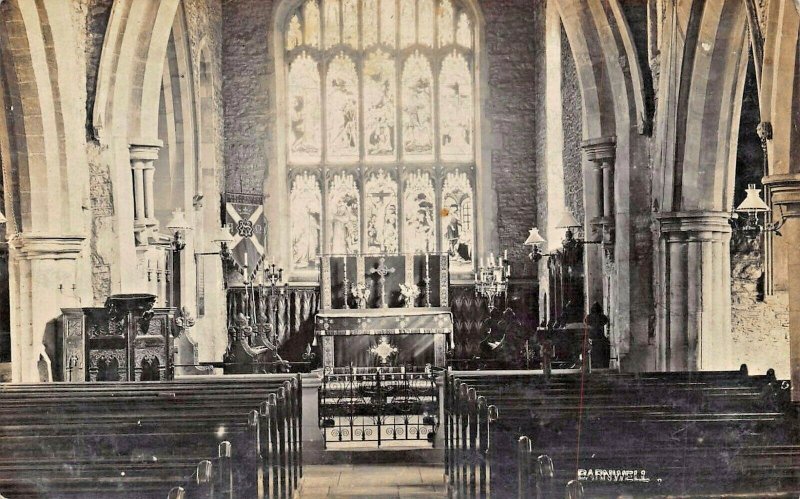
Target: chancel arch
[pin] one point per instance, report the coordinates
(391, 172)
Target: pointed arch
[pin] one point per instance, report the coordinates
(45, 178)
(614, 117)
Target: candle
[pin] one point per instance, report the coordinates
(344, 260)
(505, 255)
(245, 259)
(427, 267)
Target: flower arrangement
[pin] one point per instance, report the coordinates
(410, 293)
(361, 294)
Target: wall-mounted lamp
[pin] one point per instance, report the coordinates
(570, 242)
(223, 239)
(535, 241)
(748, 211)
(178, 225)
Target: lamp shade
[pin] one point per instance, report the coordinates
(223, 236)
(178, 221)
(567, 221)
(534, 238)
(752, 202)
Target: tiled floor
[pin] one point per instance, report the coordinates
(372, 481)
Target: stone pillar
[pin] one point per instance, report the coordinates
(44, 278)
(694, 313)
(143, 155)
(785, 194)
(601, 153)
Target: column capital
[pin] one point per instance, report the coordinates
(145, 149)
(600, 149)
(39, 246)
(784, 192)
(694, 223)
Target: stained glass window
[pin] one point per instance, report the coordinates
(344, 221)
(305, 205)
(380, 124)
(380, 193)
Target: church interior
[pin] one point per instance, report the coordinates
(399, 248)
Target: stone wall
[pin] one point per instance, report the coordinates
(515, 48)
(571, 108)
(248, 69)
(760, 325)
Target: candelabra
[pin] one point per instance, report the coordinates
(491, 279)
(273, 275)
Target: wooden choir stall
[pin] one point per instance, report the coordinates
(384, 310)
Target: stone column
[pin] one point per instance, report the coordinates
(44, 275)
(694, 313)
(143, 155)
(601, 153)
(785, 194)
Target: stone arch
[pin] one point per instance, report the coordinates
(704, 63)
(780, 107)
(779, 100)
(614, 118)
(698, 175)
(125, 118)
(44, 175)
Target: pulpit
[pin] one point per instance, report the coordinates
(127, 340)
(384, 310)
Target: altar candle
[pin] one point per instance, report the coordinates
(491, 259)
(427, 267)
(245, 260)
(344, 260)
(505, 255)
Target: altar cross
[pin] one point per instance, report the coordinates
(382, 270)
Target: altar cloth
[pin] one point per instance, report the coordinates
(380, 321)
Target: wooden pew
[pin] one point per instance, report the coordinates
(176, 422)
(713, 407)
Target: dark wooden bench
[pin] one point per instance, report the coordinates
(143, 439)
(721, 431)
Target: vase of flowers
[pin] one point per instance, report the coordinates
(361, 294)
(410, 293)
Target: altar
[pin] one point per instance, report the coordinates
(384, 310)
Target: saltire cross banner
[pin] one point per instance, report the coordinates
(244, 217)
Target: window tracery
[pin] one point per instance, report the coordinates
(391, 84)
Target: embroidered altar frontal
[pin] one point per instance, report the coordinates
(373, 337)
(384, 310)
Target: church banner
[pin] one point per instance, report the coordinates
(244, 217)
